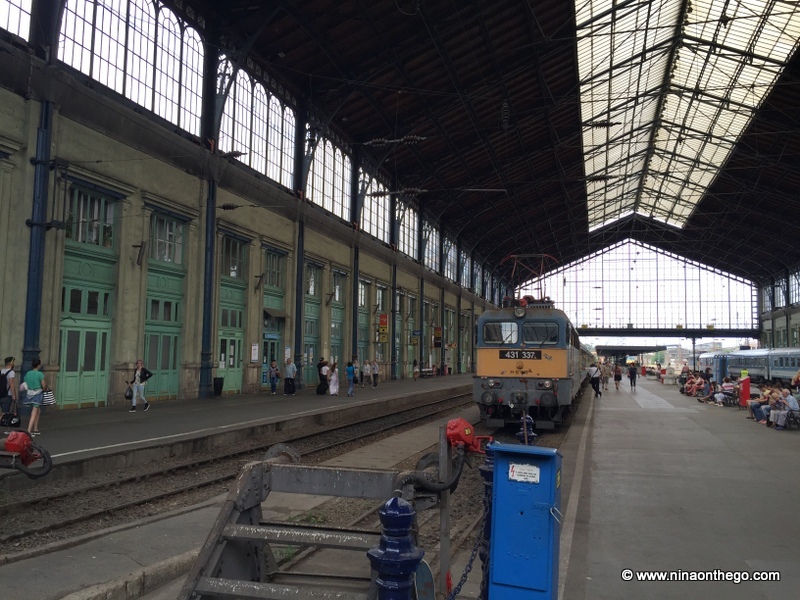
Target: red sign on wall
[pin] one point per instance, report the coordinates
(383, 320)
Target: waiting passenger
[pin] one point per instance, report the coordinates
(755, 406)
(782, 407)
(727, 392)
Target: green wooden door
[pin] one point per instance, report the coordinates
(271, 350)
(161, 356)
(230, 360)
(83, 379)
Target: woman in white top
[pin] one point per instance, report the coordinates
(333, 379)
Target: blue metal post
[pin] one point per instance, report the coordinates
(206, 365)
(396, 557)
(487, 473)
(393, 328)
(41, 177)
(299, 302)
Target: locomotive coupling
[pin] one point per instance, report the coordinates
(460, 434)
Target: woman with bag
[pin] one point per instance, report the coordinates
(274, 376)
(140, 377)
(35, 386)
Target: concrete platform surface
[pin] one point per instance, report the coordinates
(669, 485)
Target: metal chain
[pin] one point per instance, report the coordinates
(476, 548)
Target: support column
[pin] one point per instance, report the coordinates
(41, 179)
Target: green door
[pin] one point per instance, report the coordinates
(270, 350)
(230, 361)
(161, 356)
(83, 380)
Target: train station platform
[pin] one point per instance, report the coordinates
(111, 437)
(117, 562)
(656, 482)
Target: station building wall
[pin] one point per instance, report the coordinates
(125, 279)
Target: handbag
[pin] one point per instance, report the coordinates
(48, 398)
(129, 393)
(11, 418)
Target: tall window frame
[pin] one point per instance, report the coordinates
(17, 15)
(139, 49)
(166, 239)
(233, 254)
(408, 240)
(376, 210)
(90, 217)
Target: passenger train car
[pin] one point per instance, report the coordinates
(778, 364)
(529, 361)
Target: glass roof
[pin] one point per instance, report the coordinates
(666, 94)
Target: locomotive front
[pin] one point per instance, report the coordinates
(526, 362)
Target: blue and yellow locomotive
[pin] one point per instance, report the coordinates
(529, 360)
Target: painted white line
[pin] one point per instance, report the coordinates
(568, 531)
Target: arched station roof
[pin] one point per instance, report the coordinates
(525, 128)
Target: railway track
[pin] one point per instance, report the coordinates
(56, 511)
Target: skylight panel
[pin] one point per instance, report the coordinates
(727, 57)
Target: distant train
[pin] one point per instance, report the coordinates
(778, 364)
(529, 361)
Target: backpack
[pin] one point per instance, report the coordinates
(4, 384)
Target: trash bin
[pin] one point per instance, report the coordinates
(218, 383)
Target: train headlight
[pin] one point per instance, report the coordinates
(519, 312)
(487, 398)
(545, 384)
(495, 383)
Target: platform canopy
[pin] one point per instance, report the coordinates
(535, 128)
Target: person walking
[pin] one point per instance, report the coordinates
(364, 373)
(350, 372)
(333, 379)
(606, 371)
(8, 387)
(617, 375)
(415, 368)
(632, 375)
(356, 369)
(374, 373)
(274, 376)
(594, 379)
(289, 373)
(35, 386)
(140, 377)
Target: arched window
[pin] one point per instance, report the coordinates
(409, 228)
(242, 103)
(328, 160)
(75, 46)
(431, 247)
(109, 57)
(141, 50)
(287, 158)
(261, 116)
(191, 81)
(341, 191)
(168, 67)
(275, 138)
(15, 16)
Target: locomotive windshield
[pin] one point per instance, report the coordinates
(542, 333)
(500, 333)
